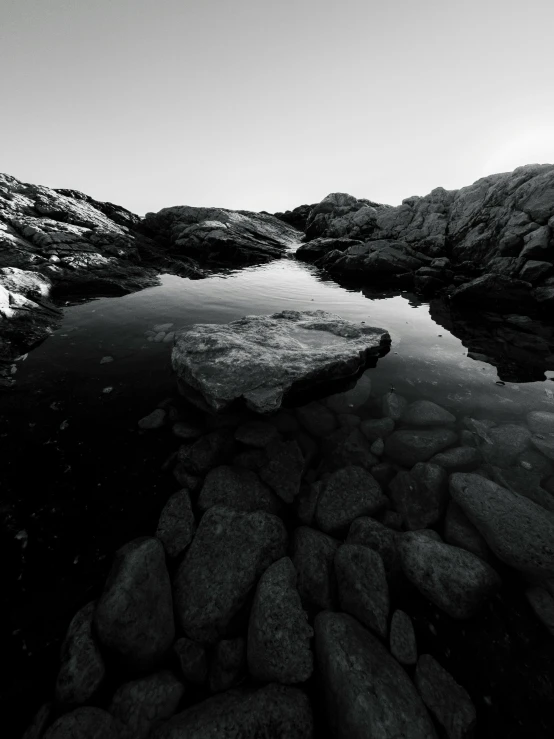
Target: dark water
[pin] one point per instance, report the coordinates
(80, 479)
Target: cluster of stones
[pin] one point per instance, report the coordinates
(280, 559)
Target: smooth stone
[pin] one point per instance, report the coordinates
(207, 452)
(82, 668)
(256, 433)
(86, 722)
(162, 328)
(272, 712)
(139, 705)
(154, 420)
(458, 459)
(106, 360)
(278, 632)
(420, 495)
(393, 405)
(524, 483)
(352, 399)
(534, 461)
(261, 358)
(403, 645)
(410, 446)
(227, 665)
(545, 445)
(313, 558)
(541, 422)
(318, 420)
(347, 494)
(426, 413)
(507, 441)
(378, 448)
(159, 337)
(363, 588)
(284, 469)
(366, 692)
(542, 603)
(370, 533)
(169, 337)
(519, 532)
(377, 428)
(460, 532)
(447, 701)
(455, 580)
(186, 430)
(238, 488)
(134, 614)
(176, 524)
(192, 659)
(229, 552)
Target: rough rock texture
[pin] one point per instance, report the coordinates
(367, 693)
(403, 644)
(176, 524)
(134, 614)
(313, 557)
(236, 487)
(275, 711)
(278, 632)
(229, 552)
(426, 413)
(455, 580)
(260, 358)
(519, 532)
(86, 722)
(460, 532)
(370, 533)
(227, 664)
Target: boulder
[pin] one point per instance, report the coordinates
(230, 551)
(460, 532)
(176, 524)
(426, 413)
(458, 459)
(238, 488)
(283, 470)
(313, 558)
(403, 646)
(278, 632)
(134, 614)
(541, 422)
(259, 359)
(524, 482)
(377, 428)
(410, 446)
(507, 441)
(545, 445)
(86, 722)
(374, 698)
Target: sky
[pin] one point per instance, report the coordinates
(264, 105)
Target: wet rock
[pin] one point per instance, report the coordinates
(278, 633)
(353, 399)
(496, 290)
(533, 460)
(260, 358)
(237, 488)
(393, 405)
(376, 698)
(542, 603)
(186, 430)
(517, 530)
(348, 493)
(256, 433)
(86, 722)
(377, 428)
(209, 451)
(458, 459)
(134, 615)
(352, 448)
(313, 558)
(82, 667)
(284, 468)
(230, 551)
(140, 705)
(370, 533)
(154, 420)
(318, 420)
(192, 659)
(363, 588)
(524, 483)
(460, 532)
(408, 447)
(176, 524)
(420, 495)
(227, 665)
(455, 580)
(348, 420)
(426, 413)
(275, 711)
(507, 441)
(545, 445)
(403, 644)
(448, 702)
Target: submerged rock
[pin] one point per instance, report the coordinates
(86, 722)
(426, 413)
(261, 358)
(408, 447)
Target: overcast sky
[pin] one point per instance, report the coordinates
(259, 104)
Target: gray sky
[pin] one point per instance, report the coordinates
(259, 104)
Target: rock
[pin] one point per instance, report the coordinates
(377, 428)
(391, 519)
(376, 698)
(278, 632)
(507, 441)
(420, 495)
(384, 473)
(318, 420)
(542, 603)
(460, 532)
(251, 459)
(348, 420)
(162, 328)
(455, 580)
(236, 488)
(275, 711)
(35, 730)
(403, 645)
(82, 668)
(426, 413)
(347, 494)
(256, 433)
(230, 551)
(377, 448)
(176, 524)
(306, 503)
(186, 430)
(353, 399)
(448, 702)
(106, 360)
(367, 532)
(227, 665)
(140, 705)
(410, 446)
(209, 451)
(517, 530)
(86, 722)
(154, 420)
(261, 358)
(363, 589)
(134, 615)
(313, 558)
(544, 445)
(284, 468)
(187, 481)
(192, 659)
(393, 406)
(351, 447)
(458, 459)
(524, 483)
(496, 290)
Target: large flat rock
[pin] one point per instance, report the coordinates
(261, 358)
